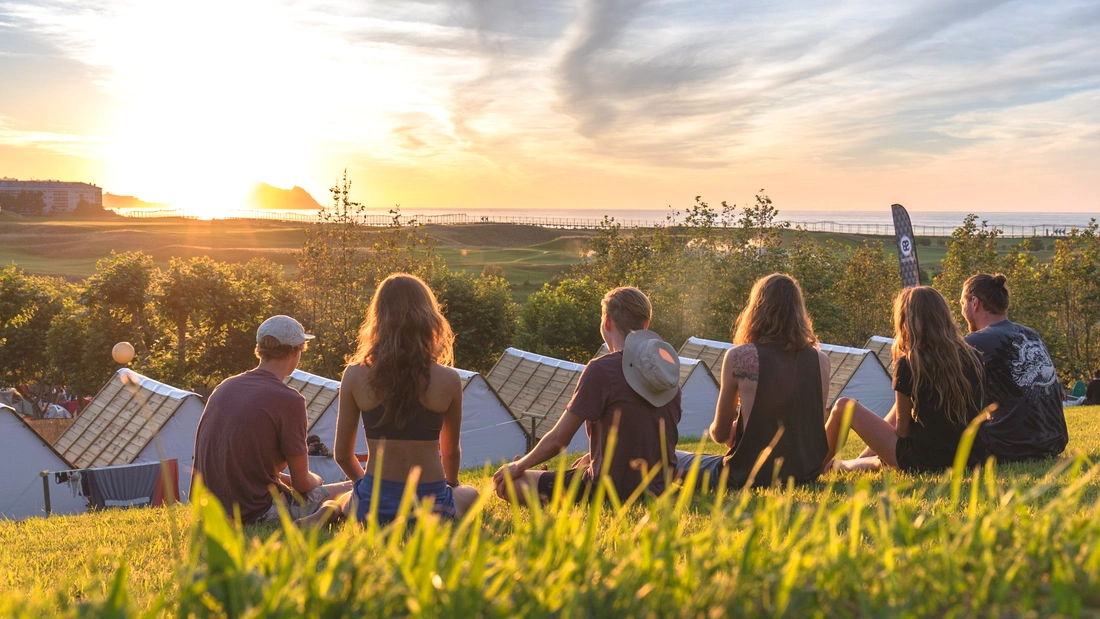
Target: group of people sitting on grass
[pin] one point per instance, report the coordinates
(771, 413)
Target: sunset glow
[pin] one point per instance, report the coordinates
(974, 105)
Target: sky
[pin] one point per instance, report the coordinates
(953, 105)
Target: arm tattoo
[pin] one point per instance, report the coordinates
(744, 362)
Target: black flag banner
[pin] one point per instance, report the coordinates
(907, 249)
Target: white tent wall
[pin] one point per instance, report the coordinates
(23, 456)
(489, 432)
(177, 439)
(871, 385)
(699, 397)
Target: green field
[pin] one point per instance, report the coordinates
(1015, 541)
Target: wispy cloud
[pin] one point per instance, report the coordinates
(526, 93)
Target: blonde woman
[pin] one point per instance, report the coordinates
(775, 383)
(937, 389)
(410, 401)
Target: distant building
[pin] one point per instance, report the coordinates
(58, 196)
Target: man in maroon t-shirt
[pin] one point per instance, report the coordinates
(635, 388)
(254, 427)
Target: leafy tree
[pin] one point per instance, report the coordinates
(868, 279)
(971, 250)
(112, 306)
(23, 202)
(341, 262)
(563, 321)
(28, 305)
(482, 314)
(1074, 297)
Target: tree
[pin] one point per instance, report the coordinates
(341, 262)
(971, 250)
(112, 306)
(1074, 297)
(28, 305)
(868, 280)
(563, 321)
(482, 315)
(24, 202)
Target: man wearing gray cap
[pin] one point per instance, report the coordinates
(254, 427)
(635, 389)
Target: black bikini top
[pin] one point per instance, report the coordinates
(424, 425)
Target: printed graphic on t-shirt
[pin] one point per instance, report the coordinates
(1032, 367)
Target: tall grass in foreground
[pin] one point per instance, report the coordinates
(967, 545)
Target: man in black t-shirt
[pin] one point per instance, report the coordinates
(1092, 392)
(1020, 377)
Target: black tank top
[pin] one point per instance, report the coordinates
(424, 425)
(788, 394)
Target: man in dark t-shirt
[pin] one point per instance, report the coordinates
(254, 427)
(1092, 391)
(1020, 377)
(634, 389)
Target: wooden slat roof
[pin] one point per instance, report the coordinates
(534, 385)
(319, 392)
(880, 346)
(120, 421)
(843, 361)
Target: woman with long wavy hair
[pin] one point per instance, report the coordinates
(938, 381)
(400, 384)
(775, 382)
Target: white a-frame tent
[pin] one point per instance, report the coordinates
(881, 346)
(135, 419)
(490, 433)
(698, 396)
(23, 456)
(854, 372)
(536, 389)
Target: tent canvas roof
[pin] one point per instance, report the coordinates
(881, 347)
(843, 361)
(120, 421)
(319, 392)
(534, 385)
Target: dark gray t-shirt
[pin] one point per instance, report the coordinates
(1021, 380)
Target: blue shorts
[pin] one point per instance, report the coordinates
(389, 498)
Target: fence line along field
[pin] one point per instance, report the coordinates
(1014, 540)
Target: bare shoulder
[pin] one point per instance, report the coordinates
(447, 376)
(823, 360)
(743, 362)
(355, 372)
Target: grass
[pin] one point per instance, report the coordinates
(1010, 541)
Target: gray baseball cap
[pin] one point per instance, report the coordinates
(651, 367)
(288, 331)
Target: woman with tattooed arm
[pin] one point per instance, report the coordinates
(771, 407)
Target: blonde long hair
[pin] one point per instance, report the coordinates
(403, 334)
(927, 336)
(775, 315)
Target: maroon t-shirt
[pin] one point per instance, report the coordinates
(603, 394)
(252, 423)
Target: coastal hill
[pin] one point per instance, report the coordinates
(265, 196)
(262, 196)
(115, 201)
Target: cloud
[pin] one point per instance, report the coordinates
(522, 92)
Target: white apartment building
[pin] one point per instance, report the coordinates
(59, 196)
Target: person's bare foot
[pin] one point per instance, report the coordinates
(329, 512)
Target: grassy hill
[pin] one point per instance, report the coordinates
(1011, 541)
